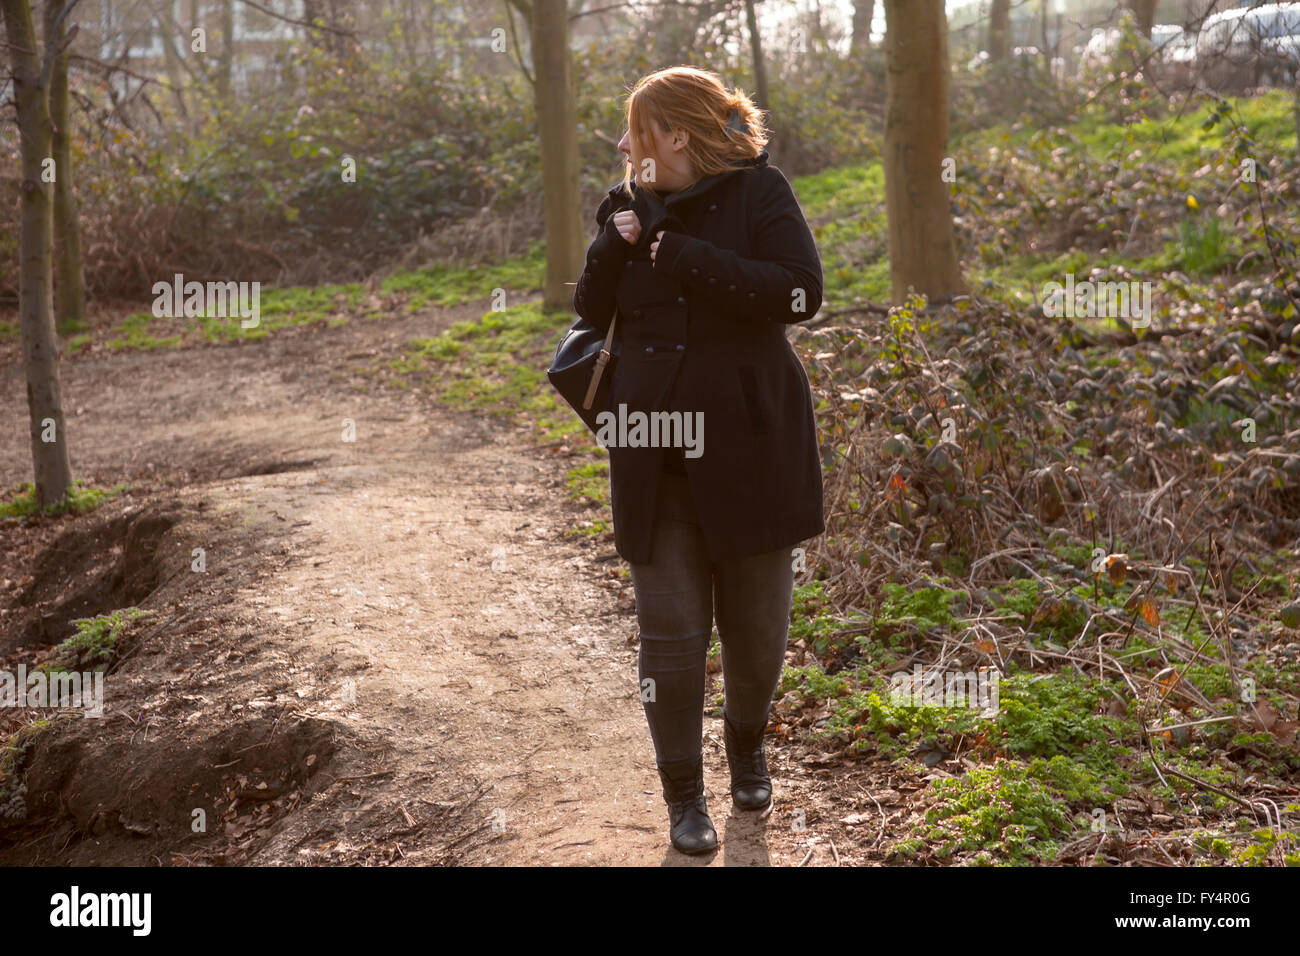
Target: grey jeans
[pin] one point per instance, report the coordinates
(677, 596)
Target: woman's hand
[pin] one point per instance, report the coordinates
(654, 246)
(628, 226)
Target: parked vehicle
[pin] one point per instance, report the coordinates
(1176, 63)
(1174, 51)
(1242, 48)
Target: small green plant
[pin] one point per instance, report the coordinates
(1045, 715)
(811, 621)
(80, 498)
(999, 809)
(95, 643)
(896, 729)
(812, 682)
(926, 609)
(1203, 246)
(1264, 841)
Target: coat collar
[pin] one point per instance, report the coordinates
(697, 187)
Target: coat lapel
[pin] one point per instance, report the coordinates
(662, 213)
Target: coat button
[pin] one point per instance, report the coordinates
(637, 313)
(713, 280)
(594, 260)
(649, 348)
(713, 207)
(732, 288)
(680, 300)
(753, 295)
(695, 272)
(681, 348)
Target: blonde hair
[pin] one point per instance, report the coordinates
(698, 101)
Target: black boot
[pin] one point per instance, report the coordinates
(690, 828)
(751, 785)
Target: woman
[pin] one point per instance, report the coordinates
(705, 253)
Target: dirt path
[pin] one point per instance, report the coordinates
(414, 589)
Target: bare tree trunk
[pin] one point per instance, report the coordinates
(69, 284)
(225, 65)
(922, 251)
(1144, 12)
(863, 11)
(172, 60)
(760, 76)
(756, 52)
(557, 124)
(1042, 32)
(1000, 30)
(35, 293)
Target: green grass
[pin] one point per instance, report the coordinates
(133, 333)
(283, 307)
(455, 284)
(497, 364)
(278, 308)
(1203, 247)
(78, 342)
(590, 482)
(846, 207)
(1181, 140)
(80, 498)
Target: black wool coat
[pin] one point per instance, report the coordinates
(702, 328)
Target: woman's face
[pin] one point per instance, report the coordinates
(670, 169)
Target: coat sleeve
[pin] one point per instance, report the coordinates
(781, 282)
(594, 296)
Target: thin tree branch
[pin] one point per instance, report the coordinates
(585, 13)
(51, 44)
(298, 23)
(527, 10)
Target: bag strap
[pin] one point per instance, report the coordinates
(602, 360)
